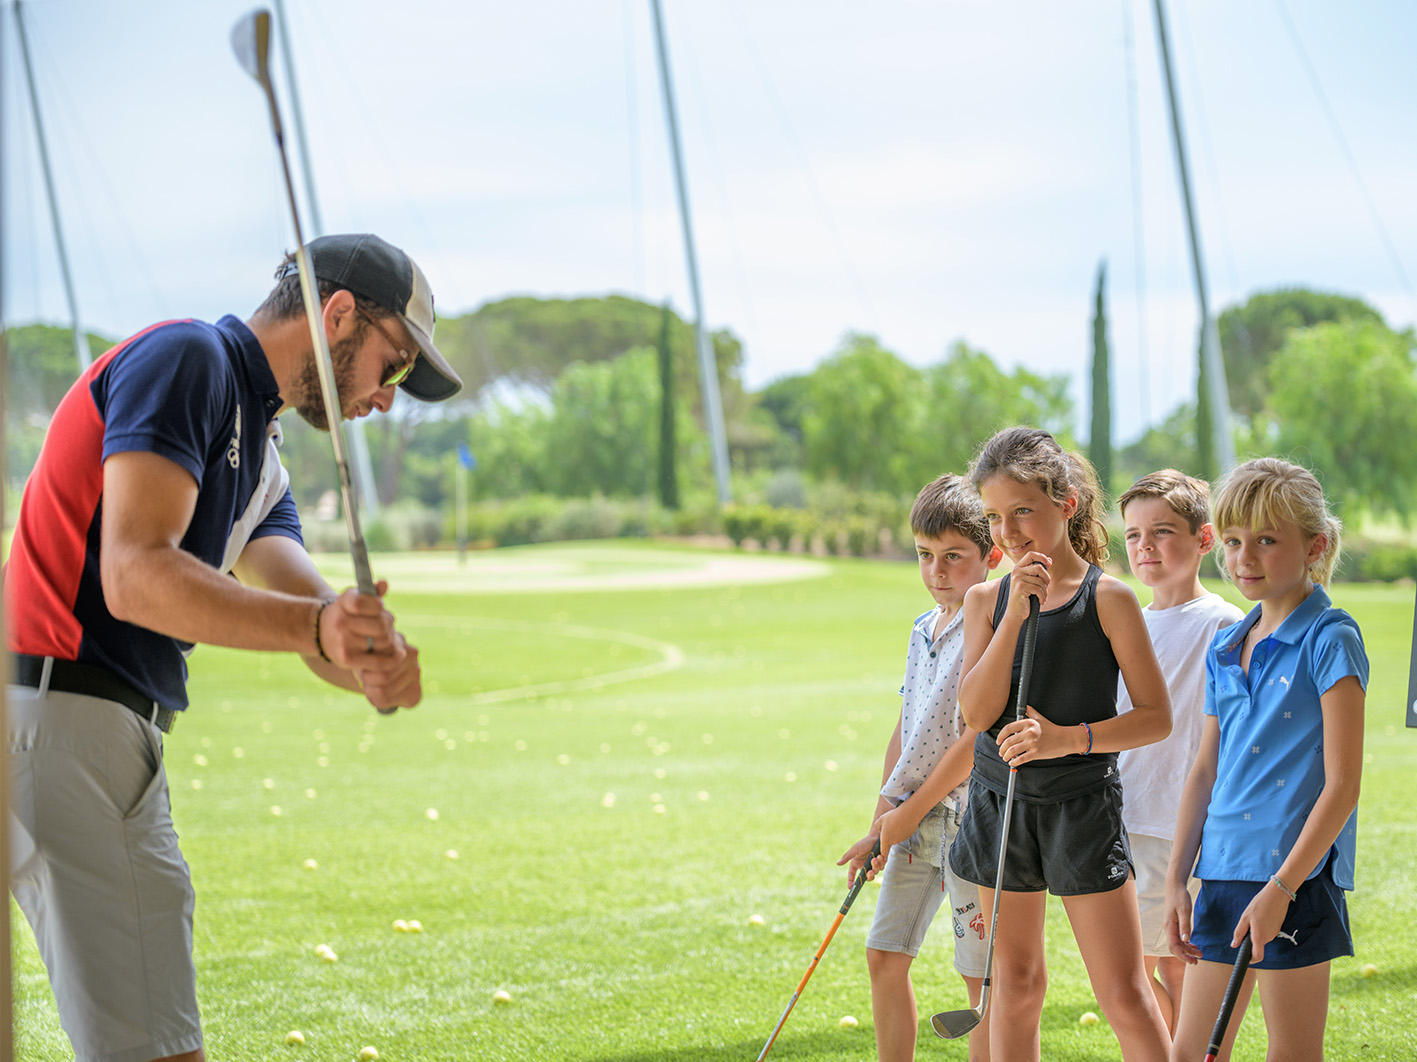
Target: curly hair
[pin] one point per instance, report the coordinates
(1031, 455)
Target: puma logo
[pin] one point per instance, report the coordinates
(1293, 937)
(1285, 681)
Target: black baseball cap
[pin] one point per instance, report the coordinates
(365, 265)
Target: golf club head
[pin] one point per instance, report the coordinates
(251, 41)
(952, 1024)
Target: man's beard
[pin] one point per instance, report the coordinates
(308, 399)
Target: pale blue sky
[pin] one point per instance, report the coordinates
(922, 171)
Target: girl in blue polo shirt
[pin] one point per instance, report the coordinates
(1270, 803)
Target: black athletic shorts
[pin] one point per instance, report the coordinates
(1071, 847)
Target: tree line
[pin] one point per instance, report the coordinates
(599, 397)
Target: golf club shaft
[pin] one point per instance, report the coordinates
(252, 51)
(840, 915)
(948, 1025)
(1025, 677)
(1227, 1002)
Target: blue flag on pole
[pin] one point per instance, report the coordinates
(465, 457)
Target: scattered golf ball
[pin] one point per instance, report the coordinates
(275, 810)
(1369, 970)
(295, 1036)
(452, 853)
(432, 814)
(310, 864)
(848, 1022)
(367, 1054)
(501, 997)
(415, 926)
(196, 783)
(756, 920)
(400, 926)
(327, 953)
(1088, 1018)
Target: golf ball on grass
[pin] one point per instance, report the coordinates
(295, 1036)
(501, 997)
(1369, 970)
(848, 1022)
(366, 1054)
(400, 926)
(327, 953)
(755, 920)
(1088, 1018)
(310, 864)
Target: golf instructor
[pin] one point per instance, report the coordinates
(158, 516)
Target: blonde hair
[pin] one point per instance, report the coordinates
(1031, 455)
(947, 504)
(1265, 492)
(1188, 497)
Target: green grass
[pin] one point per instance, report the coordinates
(742, 760)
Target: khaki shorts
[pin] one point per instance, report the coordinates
(916, 881)
(1150, 857)
(98, 874)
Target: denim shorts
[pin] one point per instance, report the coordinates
(1070, 847)
(1314, 931)
(912, 889)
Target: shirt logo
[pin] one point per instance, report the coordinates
(1293, 937)
(233, 449)
(1285, 681)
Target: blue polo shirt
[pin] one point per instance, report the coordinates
(1271, 766)
(198, 394)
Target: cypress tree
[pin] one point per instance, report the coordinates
(668, 480)
(1100, 439)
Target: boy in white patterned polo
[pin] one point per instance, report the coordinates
(925, 779)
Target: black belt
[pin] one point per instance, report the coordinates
(69, 676)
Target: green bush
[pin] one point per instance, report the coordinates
(859, 535)
(1382, 562)
(780, 526)
(582, 518)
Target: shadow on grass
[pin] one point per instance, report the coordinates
(807, 1046)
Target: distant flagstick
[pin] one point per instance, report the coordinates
(1412, 677)
(81, 341)
(362, 469)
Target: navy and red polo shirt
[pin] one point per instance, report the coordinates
(199, 394)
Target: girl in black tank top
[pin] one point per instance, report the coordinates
(1074, 682)
(1065, 827)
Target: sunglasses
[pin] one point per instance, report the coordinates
(398, 373)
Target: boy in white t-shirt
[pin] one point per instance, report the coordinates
(1166, 517)
(925, 780)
